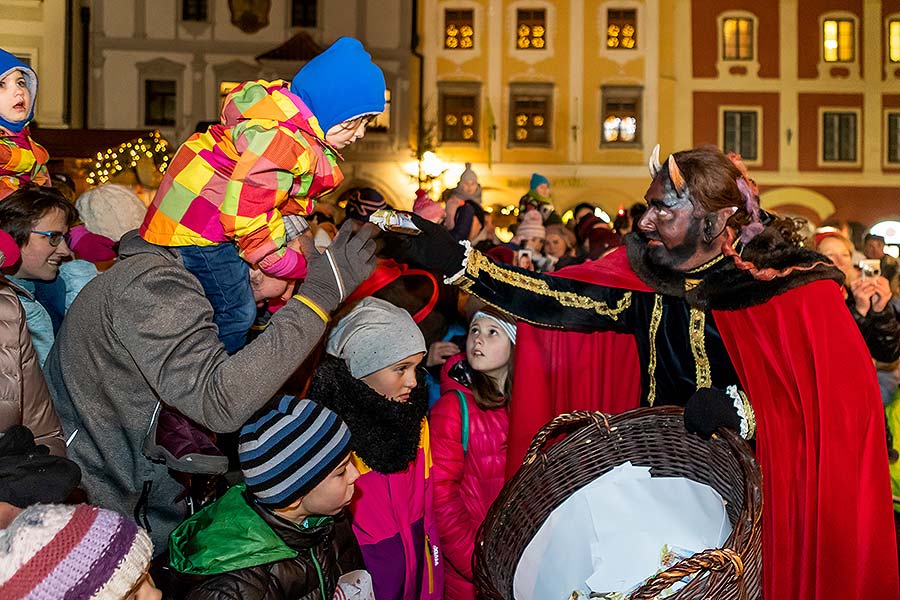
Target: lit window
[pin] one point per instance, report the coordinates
(621, 115)
(459, 29)
(621, 29)
(839, 137)
(740, 133)
(531, 29)
(893, 149)
(303, 13)
(160, 106)
(382, 123)
(839, 40)
(531, 114)
(458, 107)
(737, 38)
(195, 10)
(894, 40)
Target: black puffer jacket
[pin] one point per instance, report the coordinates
(331, 550)
(881, 331)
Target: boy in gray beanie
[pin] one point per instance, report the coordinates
(284, 527)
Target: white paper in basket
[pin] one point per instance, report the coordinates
(608, 535)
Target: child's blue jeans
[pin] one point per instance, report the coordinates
(225, 278)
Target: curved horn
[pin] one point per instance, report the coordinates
(675, 175)
(654, 164)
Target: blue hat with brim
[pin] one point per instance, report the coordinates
(341, 84)
(9, 63)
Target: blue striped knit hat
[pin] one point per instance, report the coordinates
(289, 450)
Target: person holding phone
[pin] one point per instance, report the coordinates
(868, 297)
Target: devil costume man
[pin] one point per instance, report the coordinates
(732, 319)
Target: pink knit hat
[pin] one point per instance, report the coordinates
(531, 227)
(53, 551)
(428, 209)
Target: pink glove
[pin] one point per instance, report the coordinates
(9, 250)
(89, 246)
(290, 266)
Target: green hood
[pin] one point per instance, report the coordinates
(225, 536)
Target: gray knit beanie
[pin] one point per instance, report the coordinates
(374, 335)
(468, 174)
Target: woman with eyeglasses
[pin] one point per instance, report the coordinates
(38, 219)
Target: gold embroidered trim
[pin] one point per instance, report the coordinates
(749, 415)
(705, 265)
(479, 262)
(698, 348)
(655, 318)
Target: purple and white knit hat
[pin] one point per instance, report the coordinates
(53, 551)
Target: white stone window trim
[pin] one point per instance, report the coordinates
(475, 88)
(510, 40)
(161, 69)
(820, 139)
(547, 89)
(479, 25)
(723, 65)
(621, 55)
(622, 90)
(723, 108)
(824, 68)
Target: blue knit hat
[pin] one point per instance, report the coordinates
(340, 84)
(289, 450)
(537, 179)
(8, 62)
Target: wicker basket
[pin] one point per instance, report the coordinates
(651, 437)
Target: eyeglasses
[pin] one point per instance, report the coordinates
(54, 237)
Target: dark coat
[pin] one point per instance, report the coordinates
(331, 547)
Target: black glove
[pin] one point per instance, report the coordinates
(30, 474)
(354, 259)
(708, 409)
(433, 249)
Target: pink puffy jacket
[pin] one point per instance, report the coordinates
(464, 486)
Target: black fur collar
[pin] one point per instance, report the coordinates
(722, 286)
(384, 433)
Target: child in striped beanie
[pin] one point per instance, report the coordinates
(76, 552)
(284, 527)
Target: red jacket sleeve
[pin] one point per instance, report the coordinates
(456, 526)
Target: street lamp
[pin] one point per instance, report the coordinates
(431, 173)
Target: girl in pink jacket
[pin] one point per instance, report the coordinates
(469, 428)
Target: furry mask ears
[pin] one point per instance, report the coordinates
(674, 172)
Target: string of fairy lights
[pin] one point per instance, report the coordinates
(127, 155)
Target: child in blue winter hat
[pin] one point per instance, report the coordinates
(23, 160)
(235, 194)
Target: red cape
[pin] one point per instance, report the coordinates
(828, 529)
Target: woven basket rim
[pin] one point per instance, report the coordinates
(745, 536)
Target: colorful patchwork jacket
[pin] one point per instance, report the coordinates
(267, 158)
(22, 160)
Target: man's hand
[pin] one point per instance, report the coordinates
(871, 293)
(347, 262)
(433, 249)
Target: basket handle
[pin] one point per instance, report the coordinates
(708, 560)
(562, 421)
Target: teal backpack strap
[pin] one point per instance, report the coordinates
(464, 412)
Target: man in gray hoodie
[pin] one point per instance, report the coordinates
(143, 333)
